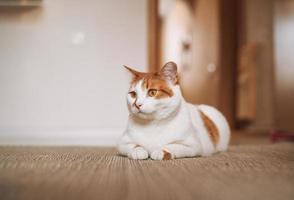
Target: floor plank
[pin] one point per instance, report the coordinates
(244, 172)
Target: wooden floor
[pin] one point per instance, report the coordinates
(246, 171)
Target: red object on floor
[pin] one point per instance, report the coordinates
(277, 136)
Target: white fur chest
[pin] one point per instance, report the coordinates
(155, 134)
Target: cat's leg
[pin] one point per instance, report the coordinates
(130, 149)
(138, 153)
(175, 150)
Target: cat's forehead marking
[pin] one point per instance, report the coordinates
(138, 86)
(148, 81)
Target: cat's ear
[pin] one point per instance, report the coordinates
(133, 72)
(170, 72)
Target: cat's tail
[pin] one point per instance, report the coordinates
(221, 123)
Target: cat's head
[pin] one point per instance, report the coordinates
(154, 95)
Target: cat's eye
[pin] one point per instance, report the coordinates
(152, 92)
(133, 94)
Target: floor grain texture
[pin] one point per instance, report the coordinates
(244, 172)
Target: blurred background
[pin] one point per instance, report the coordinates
(61, 75)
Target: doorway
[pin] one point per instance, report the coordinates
(200, 36)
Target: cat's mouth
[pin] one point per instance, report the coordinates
(138, 111)
(142, 112)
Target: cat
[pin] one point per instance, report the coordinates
(163, 126)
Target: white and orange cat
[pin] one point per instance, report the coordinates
(163, 126)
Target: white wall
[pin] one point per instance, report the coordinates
(61, 80)
(176, 29)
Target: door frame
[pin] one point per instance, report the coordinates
(228, 27)
(153, 35)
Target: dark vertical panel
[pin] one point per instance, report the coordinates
(284, 64)
(153, 35)
(228, 58)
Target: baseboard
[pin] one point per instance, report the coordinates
(93, 137)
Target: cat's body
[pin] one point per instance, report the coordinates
(162, 125)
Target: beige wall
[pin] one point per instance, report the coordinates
(269, 24)
(258, 29)
(61, 79)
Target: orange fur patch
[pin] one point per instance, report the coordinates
(211, 128)
(158, 83)
(154, 81)
(137, 78)
(166, 155)
(168, 72)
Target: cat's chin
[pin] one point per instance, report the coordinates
(144, 115)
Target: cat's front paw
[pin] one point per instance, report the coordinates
(138, 153)
(161, 155)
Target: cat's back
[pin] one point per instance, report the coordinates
(213, 123)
